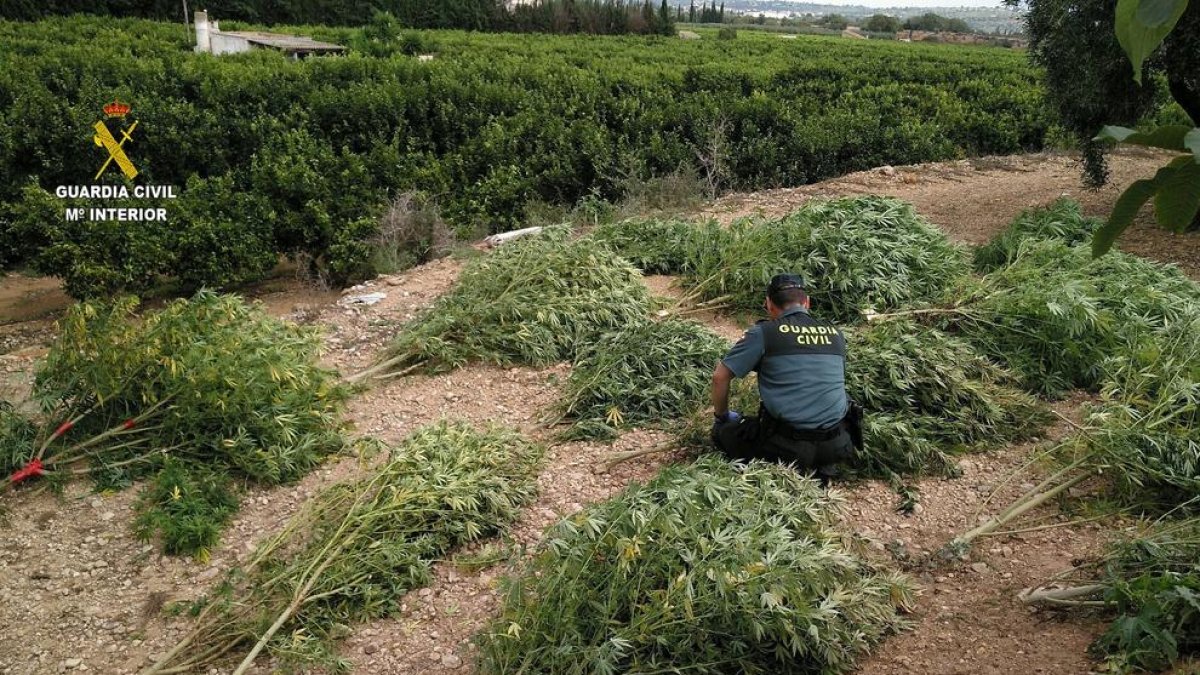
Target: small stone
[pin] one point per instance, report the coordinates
(451, 661)
(917, 509)
(370, 648)
(1006, 551)
(73, 663)
(980, 567)
(425, 592)
(107, 516)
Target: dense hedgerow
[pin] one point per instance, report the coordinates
(205, 385)
(855, 254)
(535, 301)
(494, 123)
(649, 373)
(354, 551)
(557, 16)
(1062, 221)
(708, 568)
(1055, 314)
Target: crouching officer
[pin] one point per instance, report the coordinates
(805, 417)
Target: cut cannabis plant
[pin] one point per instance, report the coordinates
(17, 435)
(663, 246)
(926, 392)
(653, 372)
(212, 382)
(1061, 221)
(1152, 582)
(1143, 436)
(855, 254)
(358, 547)
(1054, 314)
(708, 568)
(535, 301)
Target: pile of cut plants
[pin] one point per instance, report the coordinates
(1130, 329)
(356, 548)
(708, 568)
(650, 373)
(196, 399)
(1054, 314)
(857, 255)
(1062, 221)
(658, 246)
(534, 301)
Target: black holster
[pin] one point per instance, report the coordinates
(853, 422)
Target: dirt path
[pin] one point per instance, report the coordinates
(79, 593)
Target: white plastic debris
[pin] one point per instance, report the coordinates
(366, 299)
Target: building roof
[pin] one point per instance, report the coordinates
(287, 43)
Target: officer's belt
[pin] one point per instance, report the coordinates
(781, 428)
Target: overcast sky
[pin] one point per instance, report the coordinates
(913, 3)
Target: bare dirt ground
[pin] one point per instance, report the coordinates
(79, 593)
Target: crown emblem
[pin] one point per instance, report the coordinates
(116, 109)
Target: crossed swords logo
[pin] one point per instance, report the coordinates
(116, 152)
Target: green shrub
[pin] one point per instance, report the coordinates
(651, 372)
(1062, 221)
(537, 301)
(220, 236)
(855, 254)
(727, 33)
(359, 546)
(708, 568)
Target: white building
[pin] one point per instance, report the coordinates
(212, 40)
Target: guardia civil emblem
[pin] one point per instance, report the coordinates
(116, 112)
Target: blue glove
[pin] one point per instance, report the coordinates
(731, 416)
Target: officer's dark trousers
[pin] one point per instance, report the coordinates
(750, 438)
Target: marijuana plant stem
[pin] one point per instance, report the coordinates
(634, 454)
(1063, 596)
(370, 372)
(1048, 526)
(917, 312)
(1020, 508)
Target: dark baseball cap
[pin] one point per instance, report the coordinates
(783, 282)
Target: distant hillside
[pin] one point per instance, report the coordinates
(983, 19)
